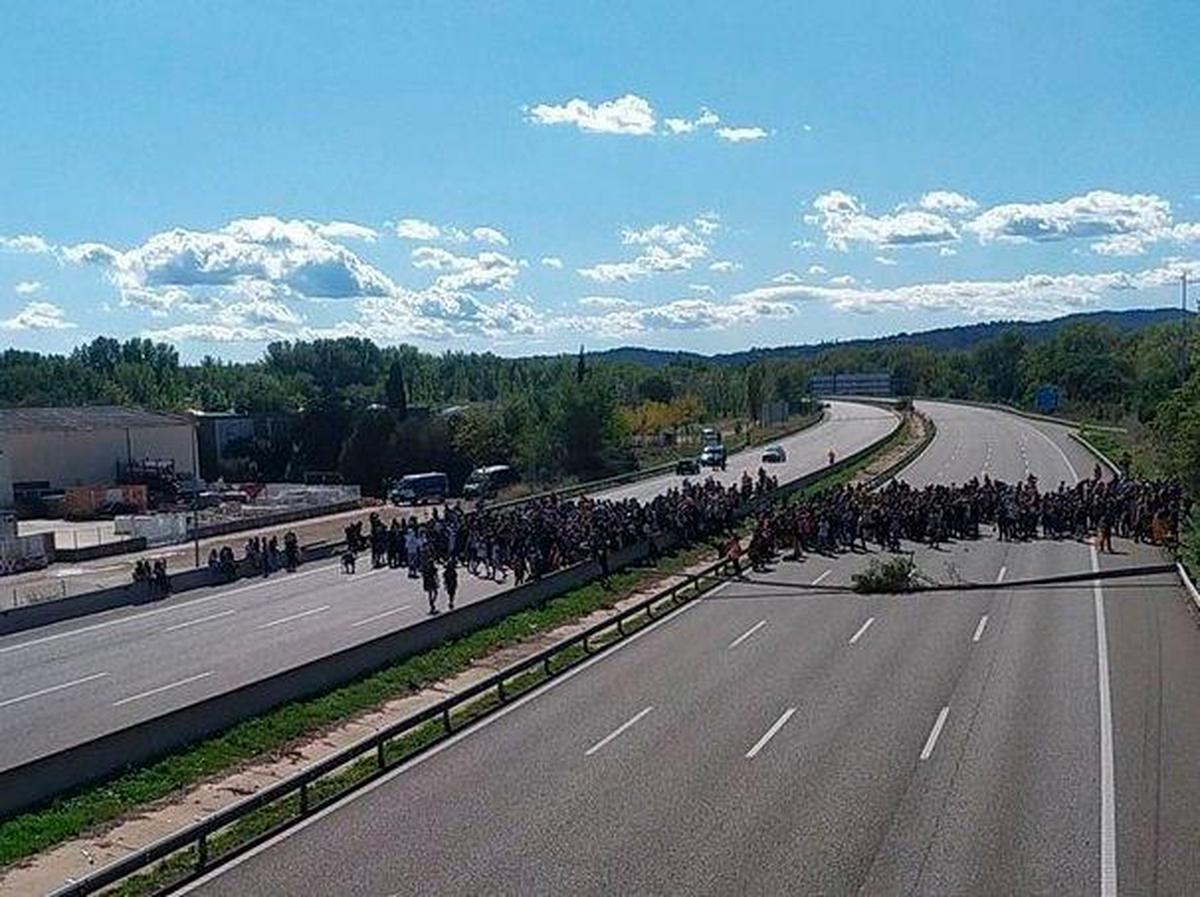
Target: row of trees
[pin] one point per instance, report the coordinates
(376, 412)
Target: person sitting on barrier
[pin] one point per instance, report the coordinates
(228, 564)
(213, 560)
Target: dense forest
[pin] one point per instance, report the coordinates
(373, 412)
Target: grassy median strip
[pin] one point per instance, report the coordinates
(95, 806)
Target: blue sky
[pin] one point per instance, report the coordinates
(525, 177)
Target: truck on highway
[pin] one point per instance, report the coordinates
(418, 488)
(485, 482)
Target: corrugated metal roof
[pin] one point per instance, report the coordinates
(91, 417)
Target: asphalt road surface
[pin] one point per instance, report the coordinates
(68, 683)
(777, 739)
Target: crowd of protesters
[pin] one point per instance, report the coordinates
(850, 518)
(537, 537)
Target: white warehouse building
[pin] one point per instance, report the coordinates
(87, 446)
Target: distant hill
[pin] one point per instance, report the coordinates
(961, 337)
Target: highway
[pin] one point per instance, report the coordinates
(774, 738)
(67, 683)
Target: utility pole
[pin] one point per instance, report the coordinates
(1183, 328)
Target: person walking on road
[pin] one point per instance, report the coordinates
(429, 578)
(450, 579)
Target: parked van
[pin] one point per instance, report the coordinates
(487, 481)
(418, 488)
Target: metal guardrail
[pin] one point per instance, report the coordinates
(228, 833)
(200, 847)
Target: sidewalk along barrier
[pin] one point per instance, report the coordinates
(100, 550)
(33, 783)
(211, 842)
(57, 607)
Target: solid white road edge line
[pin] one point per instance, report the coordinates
(931, 741)
(303, 613)
(865, 626)
(1108, 800)
(979, 629)
(185, 625)
(749, 632)
(386, 613)
(770, 733)
(617, 731)
(448, 743)
(162, 688)
(51, 689)
(1108, 803)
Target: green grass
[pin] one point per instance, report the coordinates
(95, 806)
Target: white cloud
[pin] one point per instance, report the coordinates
(28, 287)
(489, 235)
(665, 248)
(683, 315)
(844, 221)
(725, 266)
(707, 223)
(606, 302)
(552, 261)
(702, 288)
(885, 260)
(817, 270)
(705, 119)
(1119, 222)
(947, 202)
(417, 229)
(188, 266)
(843, 280)
(38, 316)
(947, 251)
(25, 243)
(628, 114)
(741, 135)
(486, 271)
(788, 277)
(344, 230)
(1031, 296)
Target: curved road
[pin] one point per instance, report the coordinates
(777, 739)
(67, 683)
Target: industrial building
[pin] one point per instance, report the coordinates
(873, 384)
(51, 449)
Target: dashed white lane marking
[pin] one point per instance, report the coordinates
(617, 731)
(133, 618)
(301, 615)
(158, 691)
(861, 629)
(198, 620)
(821, 578)
(1000, 575)
(749, 632)
(931, 741)
(386, 613)
(770, 733)
(53, 688)
(979, 629)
